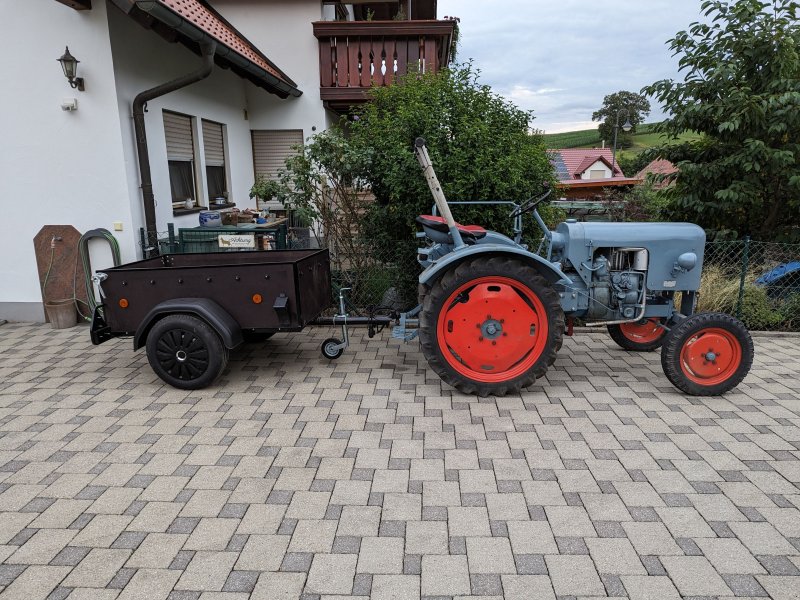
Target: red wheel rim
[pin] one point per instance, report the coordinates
(492, 329)
(711, 356)
(643, 332)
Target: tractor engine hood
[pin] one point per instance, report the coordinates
(669, 247)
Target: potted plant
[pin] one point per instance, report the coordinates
(265, 189)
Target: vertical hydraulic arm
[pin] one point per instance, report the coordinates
(436, 189)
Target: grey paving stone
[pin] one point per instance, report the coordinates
(609, 529)
(744, 585)
(412, 564)
(68, 557)
(121, 579)
(614, 586)
(689, 547)
(297, 562)
(779, 565)
(653, 565)
(484, 584)
(59, 593)
(9, 573)
(241, 581)
(571, 545)
(530, 564)
(181, 560)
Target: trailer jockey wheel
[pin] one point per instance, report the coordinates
(707, 354)
(186, 352)
(331, 348)
(641, 336)
(491, 326)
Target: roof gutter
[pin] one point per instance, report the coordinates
(160, 12)
(145, 175)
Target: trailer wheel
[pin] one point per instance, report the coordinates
(491, 326)
(329, 349)
(707, 354)
(643, 336)
(186, 352)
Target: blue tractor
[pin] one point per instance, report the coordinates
(493, 314)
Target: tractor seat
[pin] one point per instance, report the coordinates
(439, 224)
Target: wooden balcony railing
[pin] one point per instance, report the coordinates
(356, 55)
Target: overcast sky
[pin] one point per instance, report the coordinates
(560, 58)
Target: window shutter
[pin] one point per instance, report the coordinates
(178, 131)
(212, 144)
(272, 148)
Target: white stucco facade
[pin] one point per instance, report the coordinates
(57, 167)
(81, 168)
(598, 170)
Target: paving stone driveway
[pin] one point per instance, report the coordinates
(297, 477)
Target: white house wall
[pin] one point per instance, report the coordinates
(597, 166)
(282, 30)
(56, 167)
(81, 168)
(143, 60)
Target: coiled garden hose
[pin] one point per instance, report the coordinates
(83, 248)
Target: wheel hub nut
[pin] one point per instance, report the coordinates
(181, 355)
(711, 357)
(491, 329)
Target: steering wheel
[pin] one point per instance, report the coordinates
(530, 204)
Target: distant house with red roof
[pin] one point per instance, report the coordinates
(658, 170)
(583, 173)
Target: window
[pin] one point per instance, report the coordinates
(180, 154)
(597, 174)
(271, 148)
(214, 151)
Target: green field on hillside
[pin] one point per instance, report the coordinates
(645, 137)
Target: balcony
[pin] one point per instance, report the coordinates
(356, 55)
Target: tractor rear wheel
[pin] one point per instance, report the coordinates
(707, 354)
(643, 336)
(491, 326)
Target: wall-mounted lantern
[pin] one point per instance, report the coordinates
(70, 66)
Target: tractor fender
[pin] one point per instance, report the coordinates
(209, 311)
(548, 270)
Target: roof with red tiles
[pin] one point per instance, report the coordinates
(571, 162)
(205, 18)
(659, 166)
(195, 21)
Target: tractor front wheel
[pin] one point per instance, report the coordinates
(707, 354)
(642, 336)
(491, 326)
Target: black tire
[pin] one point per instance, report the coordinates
(434, 297)
(255, 337)
(202, 359)
(682, 346)
(617, 334)
(328, 350)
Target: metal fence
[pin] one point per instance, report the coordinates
(759, 282)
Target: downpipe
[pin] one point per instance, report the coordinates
(139, 104)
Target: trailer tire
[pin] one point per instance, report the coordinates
(186, 352)
(707, 354)
(478, 353)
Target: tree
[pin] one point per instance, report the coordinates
(638, 108)
(741, 91)
(481, 146)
